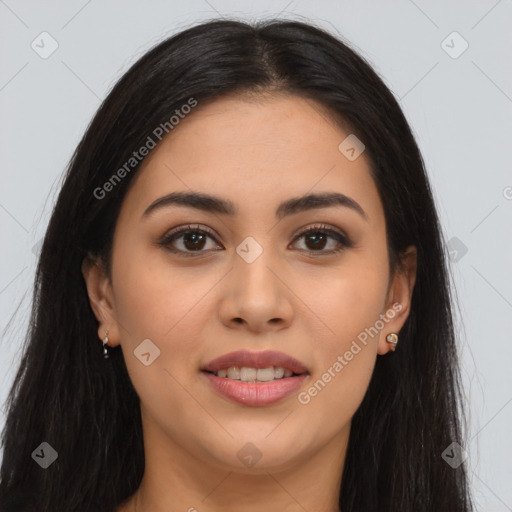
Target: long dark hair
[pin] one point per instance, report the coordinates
(86, 408)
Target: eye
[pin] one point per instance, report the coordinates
(192, 239)
(189, 239)
(316, 238)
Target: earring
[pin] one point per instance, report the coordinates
(392, 339)
(105, 341)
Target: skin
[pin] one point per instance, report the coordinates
(256, 152)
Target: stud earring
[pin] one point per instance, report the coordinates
(392, 339)
(105, 341)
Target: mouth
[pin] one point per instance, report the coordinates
(248, 374)
(247, 366)
(255, 393)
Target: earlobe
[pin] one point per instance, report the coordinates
(399, 301)
(99, 291)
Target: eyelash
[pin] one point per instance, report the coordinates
(323, 229)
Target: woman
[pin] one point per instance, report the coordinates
(247, 233)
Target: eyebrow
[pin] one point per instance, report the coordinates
(213, 204)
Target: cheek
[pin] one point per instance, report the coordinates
(346, 359)
(351, 299)
(335, 393)
(164, 304)
(153, 296)
(350, 305)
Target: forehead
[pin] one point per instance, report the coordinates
(257, 151)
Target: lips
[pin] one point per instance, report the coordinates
(245, 358)
(255, 394)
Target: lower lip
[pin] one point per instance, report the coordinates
(255, 394)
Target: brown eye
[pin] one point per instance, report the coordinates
(194, 240)
(191, 241)
(317, 239)
(187, 240)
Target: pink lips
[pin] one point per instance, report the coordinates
(256, 394)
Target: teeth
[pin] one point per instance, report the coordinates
(278, 372)
(266, 374)
(234, 373)
(255, 374)
(248, 374)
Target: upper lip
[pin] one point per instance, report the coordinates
(249, 359)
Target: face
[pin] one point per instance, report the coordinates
(309, 280)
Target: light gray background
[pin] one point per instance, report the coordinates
(460, 110)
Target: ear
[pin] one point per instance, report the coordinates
(101, 298)
(399, 297)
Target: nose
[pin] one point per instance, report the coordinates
(256, 297)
